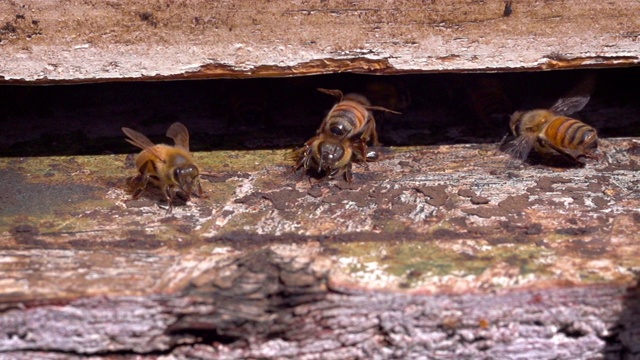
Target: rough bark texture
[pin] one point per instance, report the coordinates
(403, 263)
(275, 304)
(140, 39)
(450, 249)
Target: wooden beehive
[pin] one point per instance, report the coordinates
(445, 248)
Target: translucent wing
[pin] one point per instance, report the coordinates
(576, 99)
(521, 146)
(567, 106)
(380, 108)
(336, 93)
(141, 141)
(179, 134)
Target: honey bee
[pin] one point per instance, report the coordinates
(330, 156)
(170, 168)
(351, 117)
(552, 132)
(342, 137)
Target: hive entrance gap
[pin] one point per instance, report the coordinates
(275, 113)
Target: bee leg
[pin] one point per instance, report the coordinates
(572, 156)
(168, 194)
(374, 136)
(139, 183)
(370, 134)
(306, 160)
(359, 150)
(199, 192)
(348, 175)
(303, 159)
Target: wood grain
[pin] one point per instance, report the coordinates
(402, 262)
(138, 39)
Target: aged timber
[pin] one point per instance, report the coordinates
(89, 41)
(451, 251)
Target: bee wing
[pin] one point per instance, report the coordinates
(179, 134)
(570, 105)
(576, 99)
(521, 146)
(336, 93)
(380, 108)
(141, 141)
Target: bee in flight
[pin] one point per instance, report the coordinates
(170, 168)
(551, 132)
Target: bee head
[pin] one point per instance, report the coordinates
(186, 176)
(330, 154)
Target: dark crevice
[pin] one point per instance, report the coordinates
(275, 113)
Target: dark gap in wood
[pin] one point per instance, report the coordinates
(271, 113)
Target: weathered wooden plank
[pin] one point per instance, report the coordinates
(275, 304)
(447, 249)
(539, 266)
(415, 214)
(141, 39)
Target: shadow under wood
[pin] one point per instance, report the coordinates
(273, 113)
(624, 341)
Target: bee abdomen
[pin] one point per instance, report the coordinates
(345, 112)
(571, 133)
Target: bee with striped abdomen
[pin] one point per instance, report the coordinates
(351, 117)
(551, 132)
(342, 138)
(170, 168)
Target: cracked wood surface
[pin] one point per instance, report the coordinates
(85, 41)
(440, 250)
(277, 304)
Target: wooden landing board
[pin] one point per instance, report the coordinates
(429, 243)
